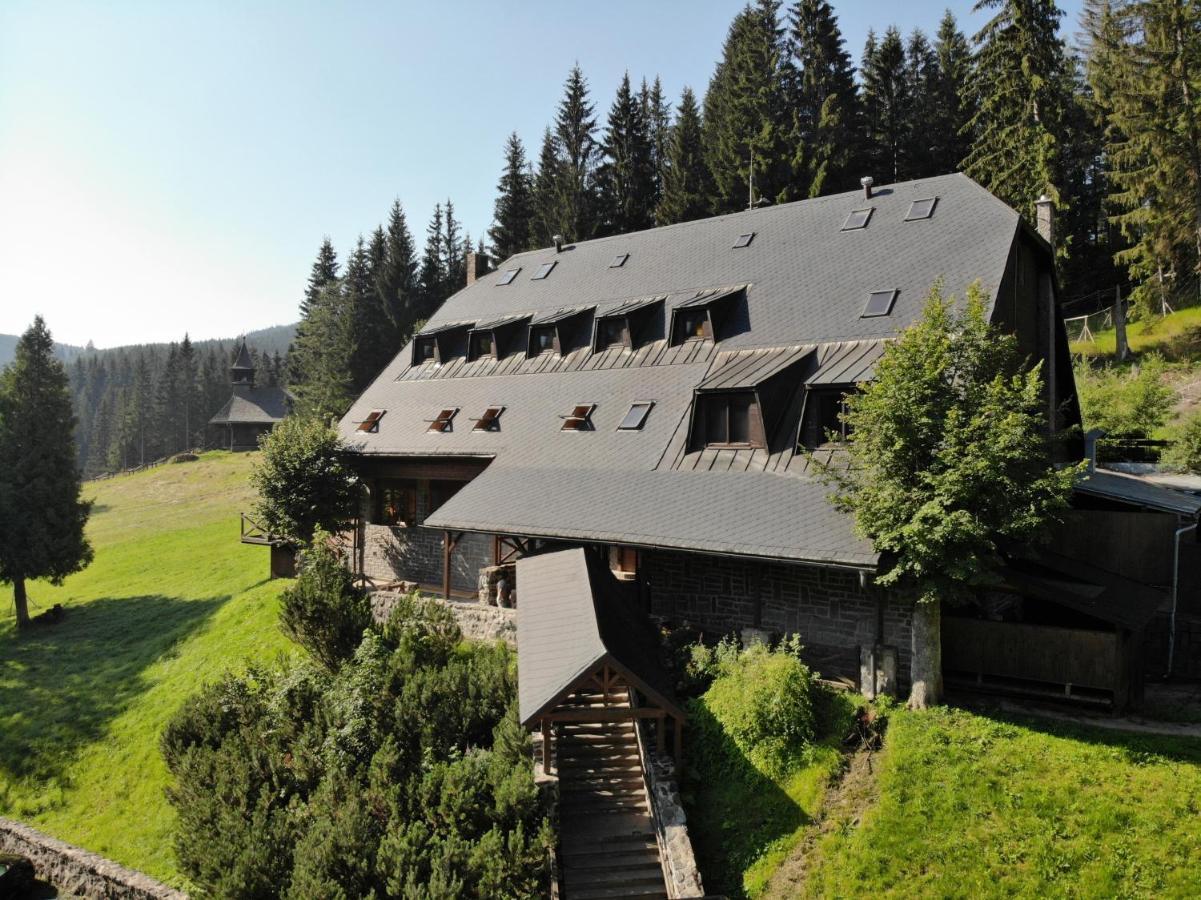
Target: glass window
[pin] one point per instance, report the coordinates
(921, 209)
(542, 339)
(691, 324)
(731, 420)
(543, 270)
(371, 423)
(857, 219)
(443, 422)
(619, 260)
(636, 417)
(744, 240)
(481, 344)
(507, 276)
(879, 303)
(824, 409)
(396, 503)
(424, 350)
(610, 332)
(580, 418)
(489, 421)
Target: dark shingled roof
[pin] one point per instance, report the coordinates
(254, 406)
(575, 618)
(1139, 492)
(801, 288)
(243, 361)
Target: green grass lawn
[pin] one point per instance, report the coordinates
(171, 600)
(1176, 336)
(978, 805)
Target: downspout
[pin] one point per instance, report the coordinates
(1175, 593)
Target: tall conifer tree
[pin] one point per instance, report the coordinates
(396, 278)
(324, 270)
(575, 131)
(547, 209)
(433, 265)
(627, 175)
(656, 110)
(886, 106)
(952, 106)
(687, 185)
(42, 515)
(513, 216)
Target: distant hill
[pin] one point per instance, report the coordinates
(269, 340)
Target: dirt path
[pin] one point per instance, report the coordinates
(843, 807)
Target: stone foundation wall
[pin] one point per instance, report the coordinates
(415, 554)
(77, 872)
(828, 608)
(478, 621)
(682, 873)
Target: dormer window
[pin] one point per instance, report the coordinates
(822, 424)
(580, 418)
(730, 420)
(482, 344)
(444, 422)
(691, 324)
(423, 350)
(542, 339)
(490, 420)
(610, 333)
(703, 315)
(370, 424)
(563, 330)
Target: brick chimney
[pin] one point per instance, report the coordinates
(477, 265)
(1045, 215)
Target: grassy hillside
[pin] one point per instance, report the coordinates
(172, 600)
(990, 806)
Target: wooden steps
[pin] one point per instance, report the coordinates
(608, 844)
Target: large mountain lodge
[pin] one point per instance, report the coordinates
(658, 398)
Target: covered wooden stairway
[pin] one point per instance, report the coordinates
(588, 673)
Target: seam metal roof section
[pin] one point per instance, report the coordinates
(558, 315)
(442, 327)
(739, 514)
(1138, 492)
(630, 306)
(575, 617)
(847, 363)
(744, 369)
(710, 295)
(501, 322)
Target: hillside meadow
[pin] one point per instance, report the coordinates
(172, 600)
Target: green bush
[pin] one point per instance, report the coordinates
(1127, 404)
(324, 611)
(1185, 452)
(404, 772)
(761, 700)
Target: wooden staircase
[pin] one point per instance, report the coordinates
(607, 839)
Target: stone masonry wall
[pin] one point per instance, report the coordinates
(415, 553)
(478, 621)
(827, 607)
(76, 872)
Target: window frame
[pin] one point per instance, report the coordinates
(581, 413)
(847, 224)
(508, 276)
(619, 260)
(623, 337)
(406, 513)
(680, 335)
(472, 352)
(543, 271)
(370, 425)
(910, 217)
(744, 240)
(489, 423)
(892, 301)
(443, 423)
(420, 347)
(807, 437)
(646, 407)
(551, 329)
(755, 427)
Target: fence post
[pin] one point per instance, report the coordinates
(1119, 324)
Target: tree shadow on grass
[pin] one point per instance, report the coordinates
(62, 684)
(1138, 747)
(734, 811)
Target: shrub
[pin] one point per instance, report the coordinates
(302, 481)
(1185, 452)
(324, 611)
(761, 700)
(1127, 404)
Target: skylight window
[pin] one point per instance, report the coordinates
(857, 219)
(879, 303)
(619, 260)
(921, 209)
(371, 423)
(636, 417)
(507, 276)
(544, 270)
(744, 240)
(443, 423)
(580, 418)
(490, 420)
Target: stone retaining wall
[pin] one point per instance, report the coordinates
(478, 621)
(78, 873)
(671, 825)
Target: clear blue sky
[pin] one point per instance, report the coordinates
(172, 166)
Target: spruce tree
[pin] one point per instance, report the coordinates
(454, 255)
(688, 189)
(433, 266)
(188, 398)
(1018, 79)
(513, 216)
(42, 515)
(921, 75)
(575, 132)
(322, 356)
(952, 106)
(546, 193)
(396, 278)
(627, 175)
(747, 123)
(656, 111)
(826, 101)
(886, 106)
(325, 270)
(372, 333)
